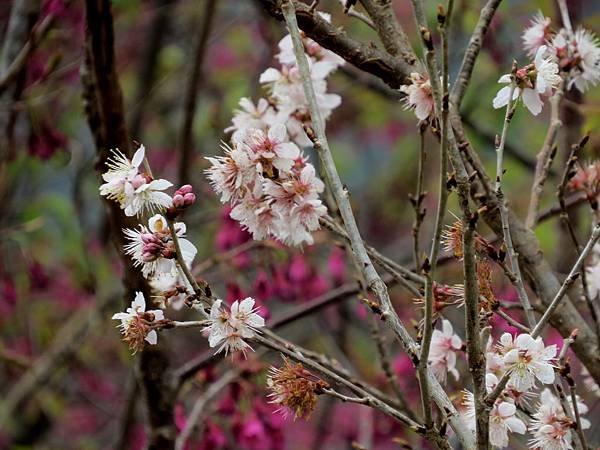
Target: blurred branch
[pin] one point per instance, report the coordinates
(14, 358)
(472, 52)
(195, 82)
(127, 415)
(22, 18)
(68, 340)
(154, 39)
(199, 409)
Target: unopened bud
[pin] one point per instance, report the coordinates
(178, 201)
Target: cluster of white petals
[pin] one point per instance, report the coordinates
(229, 329)
(577, 53)
(272, 188)
(503, 420)
(286, 103)
(527, 359)
(537, 34)
(551, 428)
(533, 83)
(442, 353)
(135, 192)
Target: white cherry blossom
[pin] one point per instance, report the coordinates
(551, 427)
(503, 420)
(229, 174)
(529, 360)
(228, 329)
(121, 172)
(259, 116)
(532, 82)
(588, 52)
(537, 34)
(147, 198)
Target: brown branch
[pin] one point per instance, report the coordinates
(18, 64)
(392, 36)
(366, 57)
(23, 15)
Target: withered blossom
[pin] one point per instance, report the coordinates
(294, 388)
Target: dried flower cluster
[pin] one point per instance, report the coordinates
(294, 388)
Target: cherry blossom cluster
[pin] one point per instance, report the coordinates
(557, 55)
(271, 186)
(157, 248)
(135, 191)
(576, 53)
(527, 362)
(228, 329)
(551, 427)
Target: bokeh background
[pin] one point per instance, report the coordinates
(60, 275)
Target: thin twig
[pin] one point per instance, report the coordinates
(475, 43)
(203, 292)
(374, 281)
(401, 274)
(512, 255)
(568, 173)
(544, 159)
(573, 274)
(439, 220)
(418, 197)
(564, 14)
(14, 69)
(512, 321)
(384, 360)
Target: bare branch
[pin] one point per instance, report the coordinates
(544, 159)
(374, 281)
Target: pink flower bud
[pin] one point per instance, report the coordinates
(148, 238)
(189, 198)
(178, 200)
(185, 189)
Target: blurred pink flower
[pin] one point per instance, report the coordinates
(337, 265)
